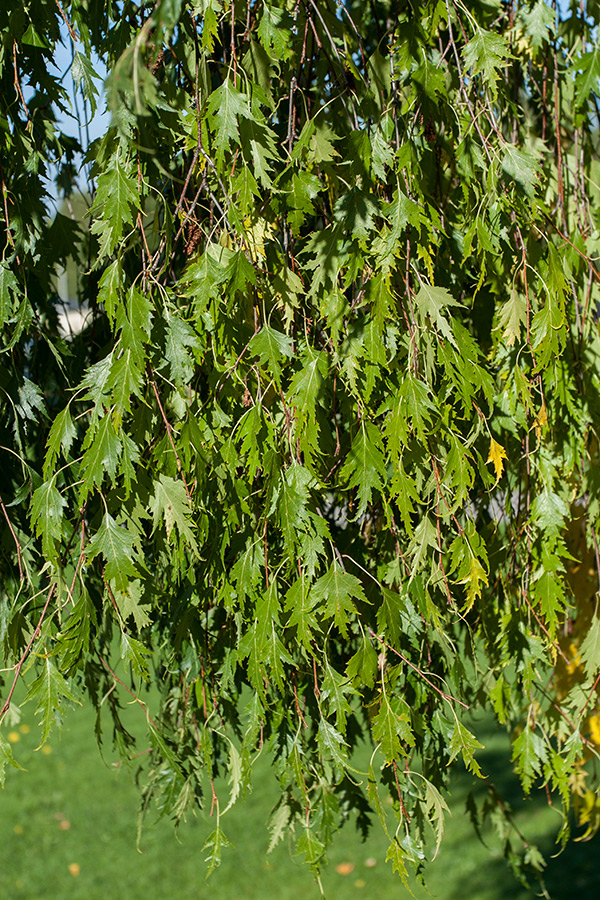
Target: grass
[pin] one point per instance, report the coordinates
(68, 832)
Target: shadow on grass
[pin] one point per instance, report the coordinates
(572, 872)
(69, 825)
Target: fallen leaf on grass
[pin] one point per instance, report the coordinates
(344, 868)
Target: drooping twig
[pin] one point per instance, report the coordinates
(15, 538)
(170, 433)
(19, 665)
(419, 672)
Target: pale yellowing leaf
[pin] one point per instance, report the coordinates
(475, 579)
(496, 456)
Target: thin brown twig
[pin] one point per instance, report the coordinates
(559, 158)
(400, 800)
(589, 744)
(9, 235)
(419, 672)
(15, 538)
(17, 83)
(170, 433)
(461, 81)
(129, 691)
(74, 35)
(554, 643)
(81, 558)
(298, 710)
(591, 694)
(19, 665)
(266, 556)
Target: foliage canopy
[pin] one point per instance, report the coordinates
(322, 466)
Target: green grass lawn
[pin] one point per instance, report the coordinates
(68, 832)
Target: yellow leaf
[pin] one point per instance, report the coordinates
(497, 454)
(541, 419)
(475, 579)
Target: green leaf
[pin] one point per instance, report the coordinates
(101, 456)
(397, 856)
(402, 211)
(278, 824)
(332, 744)
(170, 502)
(292, 505)
(432, 302)
(123, 384)
(47, 505)
(362, 667)
(60, 439)
(522, 166)
(304, 188)
(225, 108)
(586, 80)
(129, 603)
(134, 653)
(435, 807)
(260, 147)
(425, 537)
(300, 603)
(356, 212)
(465, 743)
(49, 689)
(538, 21)
(549, 511)
(6, 759)
(239, 272)
(116, 544)
(486, 54)
(115, 204)
(529, 753)
(334, 692)
(213, 847)
(110, 288)
(9, 293)
(388, 614)
(312, 848)
(31, 401)
(365, 467)
(83, 75)
(513, 314)
(33, 38)
(305, 386)
(179, 337)
(271, 347)
(335, 592)
(590, 649)
(412, 411)
(549, 593)
(304, 393)
(274, 32)
(391, 726)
